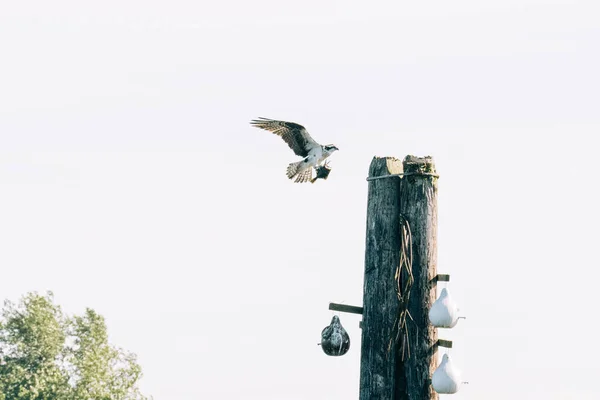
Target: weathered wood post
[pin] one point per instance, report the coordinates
(380, 302)
(397, 360)
(418, 205)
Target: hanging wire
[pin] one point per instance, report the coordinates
(404, 280)
(373, 178)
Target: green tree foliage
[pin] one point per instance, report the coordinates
(45, 355)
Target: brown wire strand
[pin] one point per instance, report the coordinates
(404, 282)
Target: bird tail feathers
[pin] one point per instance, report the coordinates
(295, 170)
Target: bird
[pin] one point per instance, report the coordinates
(297, 138)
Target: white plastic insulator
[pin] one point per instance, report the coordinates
(446, 379)
(444, 312)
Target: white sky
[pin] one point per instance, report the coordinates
(132, 183)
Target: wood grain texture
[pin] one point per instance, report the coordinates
(418, 204)
(384, 374)
(380, 302)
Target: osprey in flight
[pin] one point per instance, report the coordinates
(303, 145)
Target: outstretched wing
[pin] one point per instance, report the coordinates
(293, 134)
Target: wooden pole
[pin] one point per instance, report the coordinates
(418, 205)
(380, 302)
(386, 372)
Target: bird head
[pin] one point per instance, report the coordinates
(330, 148)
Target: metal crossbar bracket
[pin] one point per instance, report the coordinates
(444, 343)
(440, 278)
(345, 308)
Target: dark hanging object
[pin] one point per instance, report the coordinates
(334, 338)
(322, 172)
